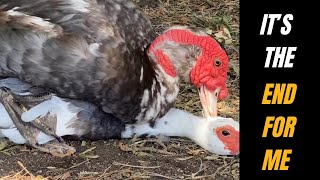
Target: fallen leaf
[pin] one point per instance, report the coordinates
(209, 32)
(227, 32)
(195, 152)
(83, 143)
(228, 41)
(224, 35)
(3, 145)
(66, 175)
(219, 35)
(123, 147)
(126, 174)
(235, 66)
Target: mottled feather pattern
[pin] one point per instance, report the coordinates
(64, 63)
(96, 125)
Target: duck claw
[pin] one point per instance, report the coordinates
(32, 100)
(24, 128)
(29, 130)
(56, 148)
(45, 128)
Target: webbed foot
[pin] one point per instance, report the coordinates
(30, 130)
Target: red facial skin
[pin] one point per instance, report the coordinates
(165, 63)
(211, 67)
(230, 141)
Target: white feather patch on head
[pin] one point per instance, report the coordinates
(221, 121)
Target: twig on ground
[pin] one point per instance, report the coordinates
(25, 169)
(104, 172)
(143, 167)
(76, 165)
(159, 175)
(142, 142)
(201, 168)
(214, 174)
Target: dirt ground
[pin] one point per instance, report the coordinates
(148, 158)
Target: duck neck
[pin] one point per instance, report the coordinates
(159, 91)
(183, 124)
(176, 123)
(173, 60)
(170, 61)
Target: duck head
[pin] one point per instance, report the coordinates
(220, 136)
(193, 56)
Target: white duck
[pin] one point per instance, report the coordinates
(84, 120)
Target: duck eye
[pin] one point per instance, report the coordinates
(217, 62)
(225, 133)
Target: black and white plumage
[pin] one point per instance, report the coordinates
(82, 120)
(105, 52)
